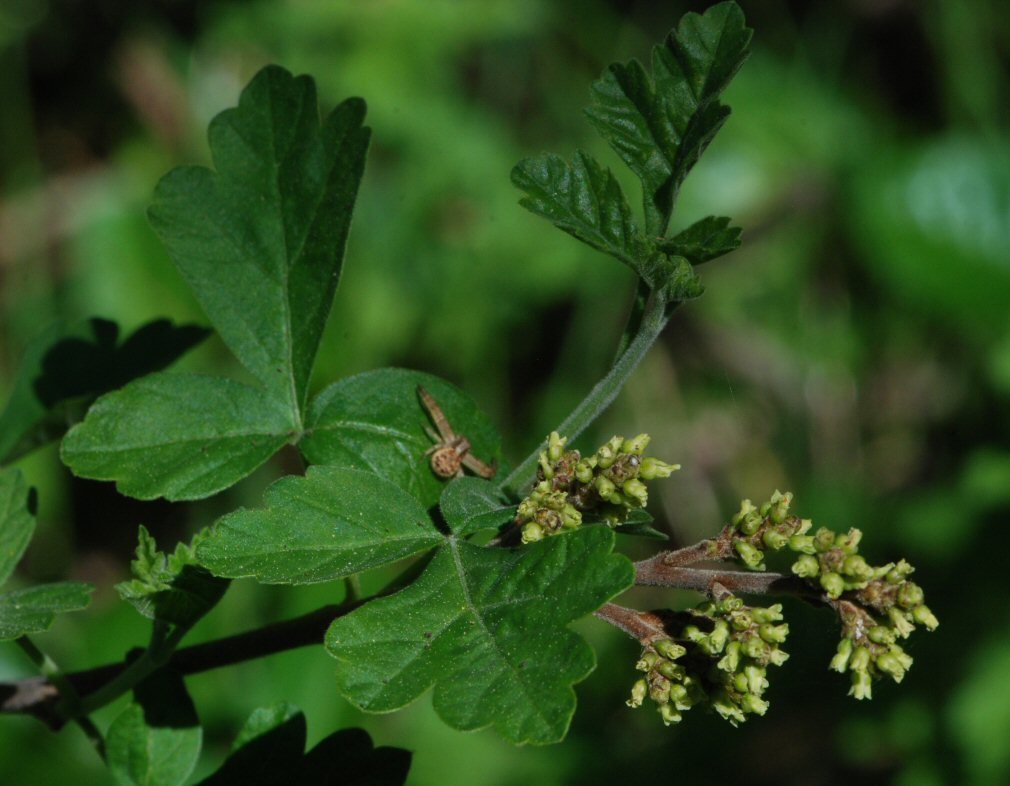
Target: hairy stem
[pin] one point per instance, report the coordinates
(656, 315)
(38, 695)
(654, 573)
(70, 699)
(642, 625)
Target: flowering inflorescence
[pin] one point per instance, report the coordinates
(610, 482)
(717, 655)
(877, 604)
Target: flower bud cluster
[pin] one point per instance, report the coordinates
(718, 657)
(880, 606)
(611, 482)
(885, 610)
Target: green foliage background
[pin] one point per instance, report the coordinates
(856, 350)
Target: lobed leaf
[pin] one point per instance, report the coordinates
(704, 240)
(270, 749)
(33, 610)
(156, 740)
(170, 588)
(332, 523)
(375, 422)
(486, 628)
(660, 124)
(178, 436)
(585, 200)
(260, 240)
(470, 505)
(69, 365)
(17, 520)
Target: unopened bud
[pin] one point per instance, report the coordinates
(638, 693)
(652, 468)
(923, 616)
(532, 532)
(635, 445)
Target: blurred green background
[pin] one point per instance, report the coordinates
(856, 350)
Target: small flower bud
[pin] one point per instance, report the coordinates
(754, 705)
(636, 490)
(780, 506)
(860, 660)
(583, 471)
(862, 686)
(756, 680)
(746, 508)
(889, 664)
(840, 662)
(605, 457)
(777, 657)
(857, 567)
(751, 524)
(638, 693)
(803, 544)
(900, 622)
(824, 540)
(774, 539)
(923, 616)
(532, 532)
(669, 714)
(910, 595)
(833, 584)
(555, 445)
(806, 567)
(636, 445)
(849, 542)
(881, 634)
(669, 649)
(750, 556)
(652, 468)
(604, 486)
(773, 634)
(771, 613)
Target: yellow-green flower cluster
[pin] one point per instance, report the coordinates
(880, 604)
(610, 482)
(885, 610)
(719, 657)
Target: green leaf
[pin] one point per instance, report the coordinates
(32, 610)
(261, 239)
(585, 200)
(473, 504)
(156, 740)
(332, 523)
(375, 422)
(704, 240)
(178, 436)
(486, 628)
(17, 520)
(170, 588)
(660, 124)
(270, 750)
(66, 367)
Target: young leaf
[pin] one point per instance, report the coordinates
(270, 750)
(17, 520)
(156, 740)
(472, 504)
(69, 365)
(170, 588)
(585, 200)
(331, 523)
(178, 436)
(375, 422)
(486, 628)
(32, 610)
(261, 239)
(704, 240)
(660, 125)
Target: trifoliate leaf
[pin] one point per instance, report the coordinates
(486, 627)
(32, 610)
(260, 240)
(17, 520)
(472, 504)
(178, 436)
(375, 422)
(156, 740)
(67, 366)
(585, 200)
(171, 588)
(704, 240)
(660, 124)
(270, 750)
(332, 523)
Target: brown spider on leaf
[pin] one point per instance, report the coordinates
(451, 451)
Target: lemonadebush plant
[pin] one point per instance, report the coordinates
(505, 560)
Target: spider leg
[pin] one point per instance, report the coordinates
(475, 465)
(436, 414)
(431, 433)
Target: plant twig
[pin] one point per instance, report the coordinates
(642, 625)
(656, 315)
